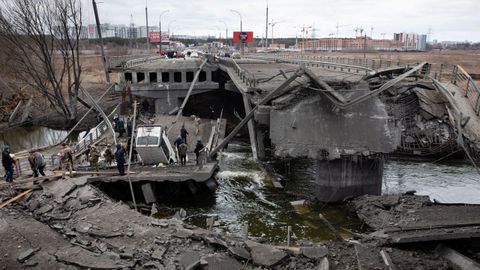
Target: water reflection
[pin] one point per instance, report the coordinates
(30, 137)
(448, 183)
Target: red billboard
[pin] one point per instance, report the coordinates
(242, 37)
(155, 37)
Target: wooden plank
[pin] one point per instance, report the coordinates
(387, 260)
(29, 180)
(16, 198)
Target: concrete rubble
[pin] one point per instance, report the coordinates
(70, 224)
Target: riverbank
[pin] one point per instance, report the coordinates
(70, 224)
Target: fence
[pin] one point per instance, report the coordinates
(246, 77)
(465, 82)
(93, 135)
(441, 72)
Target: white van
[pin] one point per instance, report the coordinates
(153, 145)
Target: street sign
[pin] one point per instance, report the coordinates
(155, 37)
(243, 37)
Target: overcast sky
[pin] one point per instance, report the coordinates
(457, 20)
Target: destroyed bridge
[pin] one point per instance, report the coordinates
(345, 114)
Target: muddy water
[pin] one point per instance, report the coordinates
(245, 195)
(32, 137)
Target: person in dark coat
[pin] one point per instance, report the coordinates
(184, 133)
(198, 148)
(120, 159)
(129, 127)
(120, 127)
(7, 162)
(182, 153)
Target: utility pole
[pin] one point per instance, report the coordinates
(102, 49)
(266, 28)
(148, 32)
(226, 32)
(241, 30)
(160, 29)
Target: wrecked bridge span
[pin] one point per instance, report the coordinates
(345, 117)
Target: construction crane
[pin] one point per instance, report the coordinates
(273, 23)
(304, 33)
(339, 26)
(358, 29)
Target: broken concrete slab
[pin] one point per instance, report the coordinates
(240, 252)
(314, 252)
(265, 255)
(60, 188)
(158, 253)
(80, 181)
(183, 233)
(221, 262)
(190, 260)
(44, 209)
(81, 257)
(27, 254)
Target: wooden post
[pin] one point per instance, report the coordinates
(289, 235)
(130, 154)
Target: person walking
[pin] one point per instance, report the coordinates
(120, 127)
(37, 163)
(184, 134)
(67, 157)
(197, 121)
(198, 148)
(7, 162)
(182, 152)
(93, 157)
(120, 159)
(129, 127)
(108, 155)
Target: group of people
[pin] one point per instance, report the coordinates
(181, 146)
(119, 126)
(35, 159)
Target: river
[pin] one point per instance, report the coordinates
(245, 194)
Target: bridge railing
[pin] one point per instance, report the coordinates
(142, 61)
(439, 71)
(465, 82)
(246, 77)
(121, 60)
(316, 61)
(94, 135)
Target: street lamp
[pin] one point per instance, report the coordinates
(241, 30)
(226, 32)
(160, 28)
(170, 23)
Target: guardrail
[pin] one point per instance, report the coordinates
(314, 61)
(438, 71)
(120, 61)
(246, 77)
(142, 61)
(93, 135)
(463, 80)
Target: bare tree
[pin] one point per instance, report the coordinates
(42, 39)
